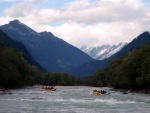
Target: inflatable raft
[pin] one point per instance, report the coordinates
(45, 88)
(96, 93)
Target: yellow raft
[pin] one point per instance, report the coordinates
(96, 93)
(48, 88)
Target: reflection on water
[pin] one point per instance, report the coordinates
(72, 100)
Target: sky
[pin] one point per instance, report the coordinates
(81, 22)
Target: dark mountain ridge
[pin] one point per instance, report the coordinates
(90, 68)
(52, 53)
(56, 55)
(6, 41)
(142, 39)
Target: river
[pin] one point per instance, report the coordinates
(72, 100)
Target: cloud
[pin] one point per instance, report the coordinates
(7, 0)
(92, 13)
(79, 35)
(104, 11)
(84, 22)
(36, 1)
(18, 10)
(83, 12)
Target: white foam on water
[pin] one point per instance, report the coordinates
(26, 99)
(113, 101)
(9, 99)
(59, 100)
(55, 100)
(78, 100)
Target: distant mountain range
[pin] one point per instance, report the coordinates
(55, 55)
(104, 51)
(52, 53)
(91, 67)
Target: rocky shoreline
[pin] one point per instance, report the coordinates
(2, 90)
(126, 91)
(123, 91)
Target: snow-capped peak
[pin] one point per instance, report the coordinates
(104, 51)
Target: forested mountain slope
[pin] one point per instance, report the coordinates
(6, 41)
(52, 53)
(90, 68)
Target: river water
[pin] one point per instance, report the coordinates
(72, 100)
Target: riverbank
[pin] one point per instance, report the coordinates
(72, 99)
(2, 90)
(123, 91)
(126, 91)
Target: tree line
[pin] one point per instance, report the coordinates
(15, 72)
(131, 71)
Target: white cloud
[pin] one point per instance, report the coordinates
(96, 23)
(102, 33)
(18, 10)
(35, 1)
(7, 0)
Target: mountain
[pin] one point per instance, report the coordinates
(91, 67)
(141, 40)
(52, 53)
(102, 52)
(6, 41)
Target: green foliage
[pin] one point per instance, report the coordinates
(99, 79)
(131, 71)
(96, 80)
(59, 79)
(84, 81)
(6, 41)
(15, 71)
(36, 75)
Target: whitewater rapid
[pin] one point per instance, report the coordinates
(72, 100)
